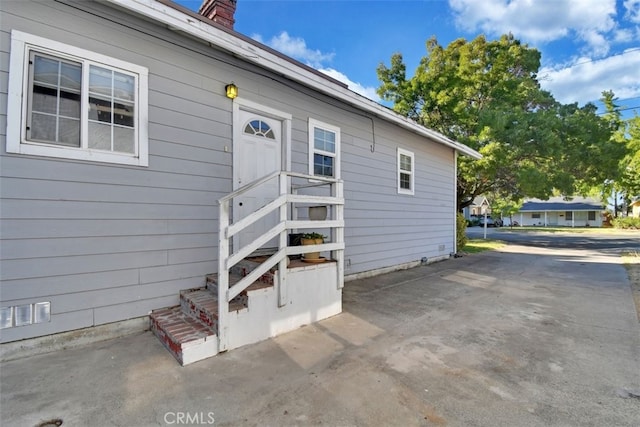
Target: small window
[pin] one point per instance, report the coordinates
(71, 103)
(406, 168)
(568, 215)
(259, 128)
(324, 149)
(591, 215)
(535, 215)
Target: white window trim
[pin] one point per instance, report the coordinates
(17, 104)
(313, 123)
(412, 173)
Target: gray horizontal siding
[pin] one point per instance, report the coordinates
(131, 309)
(21, 228)
(25, 288)
(106, 242)
(21, 188)
(41, 209)
(13, 166)
(59, 322)
(62, 247)
(54, 266)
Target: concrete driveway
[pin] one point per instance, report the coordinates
(519, 337)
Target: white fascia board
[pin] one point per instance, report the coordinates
(178, 20)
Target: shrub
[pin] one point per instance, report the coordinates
(472, 222)
(461, 231)
(626, 223)
(313, 236)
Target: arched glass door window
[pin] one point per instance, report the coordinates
(259, 128)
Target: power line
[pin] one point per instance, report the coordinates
(618, 110)
(587, 61)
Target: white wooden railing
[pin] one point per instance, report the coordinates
(285, 204)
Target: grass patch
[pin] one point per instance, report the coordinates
(475, 246)
(631, 261)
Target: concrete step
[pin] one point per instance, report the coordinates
(212, 283)
(202, 305)
(189, 331)
(247, 265)
(186, 338)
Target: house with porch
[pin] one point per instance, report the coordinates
(478, 207)
(561, 212)
(158, 168)
(635, 208)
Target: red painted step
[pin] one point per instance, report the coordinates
(186, 338)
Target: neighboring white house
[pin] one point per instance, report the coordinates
(478, 207)
(635, 208)
(561, 211)
(137, 138)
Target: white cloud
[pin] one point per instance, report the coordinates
(541, 21)
(632, 8)
(296, 47)
(599, 44)
(368, 92)
(584, 79)
(623, 35)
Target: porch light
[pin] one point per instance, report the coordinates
(232, 90)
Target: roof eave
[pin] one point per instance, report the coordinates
(175, 17)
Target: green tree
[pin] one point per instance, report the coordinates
(506, 208)
(628, 183)
(486, 94)
(625, 138)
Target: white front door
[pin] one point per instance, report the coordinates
(257, 153)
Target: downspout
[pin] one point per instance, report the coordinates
(455, 202)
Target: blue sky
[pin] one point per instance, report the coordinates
(587, 45)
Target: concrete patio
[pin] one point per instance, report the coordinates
(519, 337)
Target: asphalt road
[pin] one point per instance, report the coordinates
(616, 241)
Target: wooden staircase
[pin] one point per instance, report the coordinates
(190, 330)
(220, 316)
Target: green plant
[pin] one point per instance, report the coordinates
(461, 231)
(626, 223)
(313, 236)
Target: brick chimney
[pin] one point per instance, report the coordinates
(220, 11)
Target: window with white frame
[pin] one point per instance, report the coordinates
(324, 149)
(568, 215)
(71, 103)
(591, 216)
(406, 166)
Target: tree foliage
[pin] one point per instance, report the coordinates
(486, 94)
(629, 182)
(625, 133)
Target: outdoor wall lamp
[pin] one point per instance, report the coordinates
(232, 90)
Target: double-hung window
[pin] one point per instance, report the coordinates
(406, 165)
(324, 149)
(71, 103)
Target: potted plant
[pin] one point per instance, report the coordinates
(317, 213)
(312, 239)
